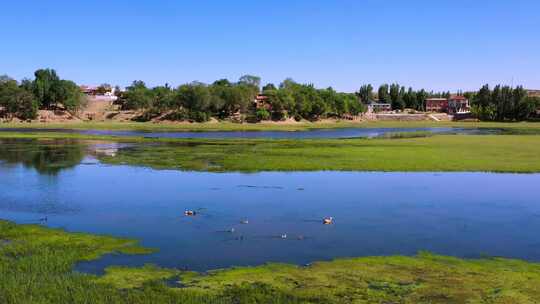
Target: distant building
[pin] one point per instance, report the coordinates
(88, 90)
(260, 102)
(533, 93)
(453, 105)
(458, 104)
(376, 107)
(95, 93)
(437, 105)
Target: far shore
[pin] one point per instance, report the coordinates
(262, 126)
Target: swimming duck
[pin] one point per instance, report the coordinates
(328, 220)
(189, 213)
(284, 236)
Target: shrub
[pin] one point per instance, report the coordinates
(262, 114)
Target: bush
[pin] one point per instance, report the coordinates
(176, 115)
(262, 114)
(199, 116)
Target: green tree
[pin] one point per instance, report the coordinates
(366, 93)
(268, 87)
(421, 97)
(163, 98)
(252, 81)
(410, 99)
(382, 93)
(104, 88)
(396, 97)
(69, 95)
(137, 96)
(46, 86)
(196, 99)
(16, 100)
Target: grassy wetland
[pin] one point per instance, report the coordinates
(416, 151)
(37, 263)
(36, 267)
(498, 153)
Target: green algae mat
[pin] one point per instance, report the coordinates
(36, 266)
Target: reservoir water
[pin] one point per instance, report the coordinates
(459, 214)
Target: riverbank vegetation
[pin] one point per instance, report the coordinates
(239, 101)
(247, 100)
(47, 91)
(268, 126)
(36, 267)
(399, 152)
(498, 153)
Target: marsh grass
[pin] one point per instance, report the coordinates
(492, 153)
(476, 153)
(36, 267)
(415, 134)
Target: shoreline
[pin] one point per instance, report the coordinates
(263, 126)
(424, 276)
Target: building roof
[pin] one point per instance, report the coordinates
(533, 93)
(261, 97)
(458, 97)
(436, 99)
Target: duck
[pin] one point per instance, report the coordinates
(189, 213)
(245, 222)
(328, 220)
(284, 236)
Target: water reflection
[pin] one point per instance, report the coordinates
(47, 157)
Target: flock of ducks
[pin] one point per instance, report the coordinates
(326, 221)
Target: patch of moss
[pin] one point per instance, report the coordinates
(36, 267)
(125, 277)
(425, 278)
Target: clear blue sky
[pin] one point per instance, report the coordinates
(440, 45)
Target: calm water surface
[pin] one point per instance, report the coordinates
(460, 214)
(314, 133)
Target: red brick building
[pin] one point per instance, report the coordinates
(261, 102)
(437, 105)
(454, 104)
(458, 104)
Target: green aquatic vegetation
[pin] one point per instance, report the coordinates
(497, 153)
(36, 267)
(414, 134)
(425, 278)
(125, 277)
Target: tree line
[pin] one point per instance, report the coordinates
(46, 91)
(224, 99)
(398, 96)
(503, 103)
